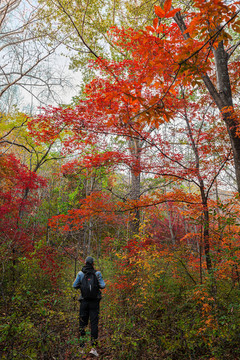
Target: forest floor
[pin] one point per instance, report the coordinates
(102, 349)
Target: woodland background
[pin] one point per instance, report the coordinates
(131, 155)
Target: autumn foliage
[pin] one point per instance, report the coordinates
(144, 176)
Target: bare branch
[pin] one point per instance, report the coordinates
(13, 128)
(15, 144)
(231, 50)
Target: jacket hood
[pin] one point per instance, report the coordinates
(88, 268)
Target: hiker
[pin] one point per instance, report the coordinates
(89, 281)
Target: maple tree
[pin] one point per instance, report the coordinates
(15, 179)
(189, 56)
(30, 266)
(128, 102)
(207, 32)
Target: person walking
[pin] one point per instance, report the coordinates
(89, 281)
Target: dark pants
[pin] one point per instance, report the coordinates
(89, 309)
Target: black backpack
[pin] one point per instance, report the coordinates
(89, 285)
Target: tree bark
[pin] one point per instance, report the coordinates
(206, 230)
(204, 198)
(135, 149)
(224, 103)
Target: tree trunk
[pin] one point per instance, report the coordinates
(170, 225)
(206, 238)
(135, 186)
(224, 102)
(204, 198)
